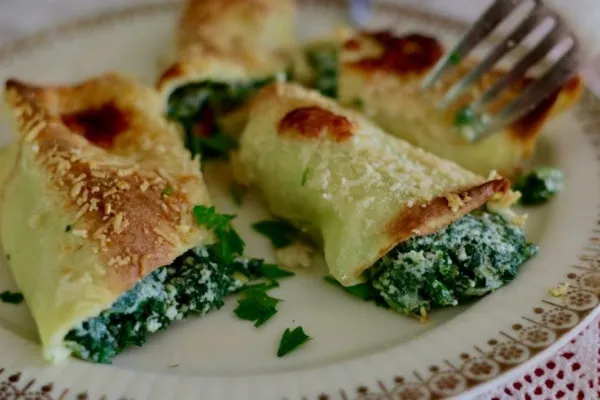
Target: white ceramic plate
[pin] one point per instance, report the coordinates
(358, 350)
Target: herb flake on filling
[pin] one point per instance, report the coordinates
(539, 185)
(468, 259)
(194, 284)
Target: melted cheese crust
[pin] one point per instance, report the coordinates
(84, 219)
(357, 197)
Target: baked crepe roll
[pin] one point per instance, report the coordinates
(384, 212)
(225, 51)
(96, 218)
(380, 74)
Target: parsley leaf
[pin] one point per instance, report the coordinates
(539, 185)
(264, 286)
(291, 340)
(237, 193)
(11, 297)
(208, 217)
(273, 272)
(305, 176)
(257, 306)
(230, 244)
(364, 291)
(280, 234)
(68, 228)
(168, 191)
(270, 273)
(464, 117)
(454, 59)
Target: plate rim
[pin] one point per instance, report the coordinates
(466, 384)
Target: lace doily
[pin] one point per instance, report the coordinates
(572, 373)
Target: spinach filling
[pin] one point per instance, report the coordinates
(198, 105)
(194, 284)
(539, 185)
(324, 60)
(468, 259)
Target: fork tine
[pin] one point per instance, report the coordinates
(537, 14)
(522, 66)
(535, 93)
(491, 18)
(360, 11)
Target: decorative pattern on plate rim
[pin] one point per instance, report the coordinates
(543, 326)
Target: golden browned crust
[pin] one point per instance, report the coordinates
(427, 218)
(526, 129)
(171, 74)
(202, 22)
(316, 122)
(411, 57)
(136, 214)
(100, 125)
(424, 219)
(409, 54)
(253, 36)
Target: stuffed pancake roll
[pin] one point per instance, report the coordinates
(384, 212)
(380, 74)
(96, 218)
(225, 52)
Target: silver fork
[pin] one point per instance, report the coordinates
(478, 123)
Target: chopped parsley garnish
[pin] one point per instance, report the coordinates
(208, 217)
(305, 176)
(454, 58)
(364, 291)
(464, 117)
(256, 306)
(230, 244)
(281, 234)
(8, 257)
(11, 297)
(539, 185)
(264, 286)
(168, 191)
(291, 340)
(237, 193)
(273, 272)
(324, 60)
(68, 228)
